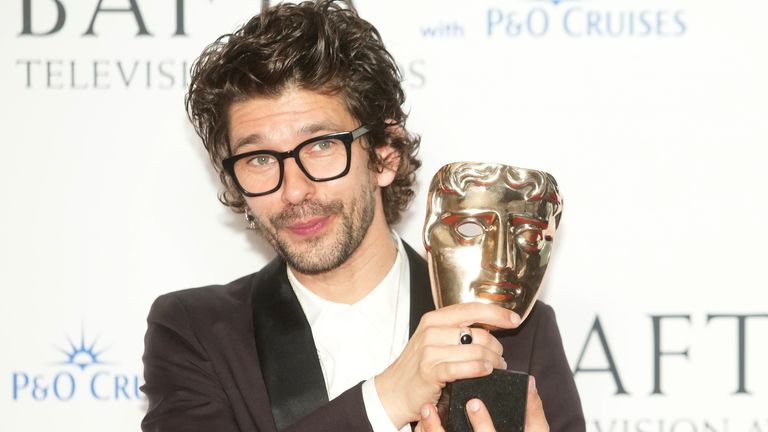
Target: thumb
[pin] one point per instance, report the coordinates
(430, 421)
(535, 420)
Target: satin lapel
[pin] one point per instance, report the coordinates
(421, 291)
(286, 349)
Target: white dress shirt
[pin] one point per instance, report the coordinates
(358, 341)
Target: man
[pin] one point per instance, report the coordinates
(300, 111)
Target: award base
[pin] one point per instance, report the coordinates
(503, 392)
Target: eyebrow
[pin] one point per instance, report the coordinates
(308, 128)
(250, 139)
(451, 218)
(517, 220)
(311, 128)
(488, 217)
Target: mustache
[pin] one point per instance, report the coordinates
(305, 210)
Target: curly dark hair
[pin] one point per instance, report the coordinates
(320, 46)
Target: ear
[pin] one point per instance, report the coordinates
(388, 156)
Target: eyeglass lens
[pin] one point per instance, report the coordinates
(321, 159)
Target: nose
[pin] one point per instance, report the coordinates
(296, 186)
(502, 256)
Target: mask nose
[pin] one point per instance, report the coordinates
(296, 186)
(502, 257)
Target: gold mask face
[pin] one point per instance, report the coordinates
(489, 234)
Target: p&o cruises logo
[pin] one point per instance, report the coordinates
(585, 19)
(81, 373)
(576, 19)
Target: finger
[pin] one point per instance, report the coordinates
(535, 420)
(430, 421)
(466, 314)
(479, 417)
(434, 354)
(434, 335)
(452, 371)
(452, 362)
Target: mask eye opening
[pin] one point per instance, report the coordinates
(470, 229)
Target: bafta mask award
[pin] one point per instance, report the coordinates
(488, 234)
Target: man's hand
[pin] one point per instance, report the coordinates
(434, 357)
(535, 421)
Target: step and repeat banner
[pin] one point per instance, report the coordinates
(652, 115)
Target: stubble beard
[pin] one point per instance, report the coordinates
(327, 251)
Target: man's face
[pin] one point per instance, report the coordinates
(491, 246)
(314, 226)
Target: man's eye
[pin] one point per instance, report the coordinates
(261, 160)
(470, 228)
(323, 146)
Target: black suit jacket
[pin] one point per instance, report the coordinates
(240, 357)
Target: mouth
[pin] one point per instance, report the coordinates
(308, 227)
(307, 219)
(498, 292)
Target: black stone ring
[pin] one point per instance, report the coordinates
(465, 336)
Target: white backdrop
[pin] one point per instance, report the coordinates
(651, 115)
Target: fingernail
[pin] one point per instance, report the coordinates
(515, 318)
(424, 412)
(473, 405)
(504, 363)
(532, 383)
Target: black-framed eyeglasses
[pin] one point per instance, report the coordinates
(323, 158)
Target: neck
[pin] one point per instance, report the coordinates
(361, 272)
